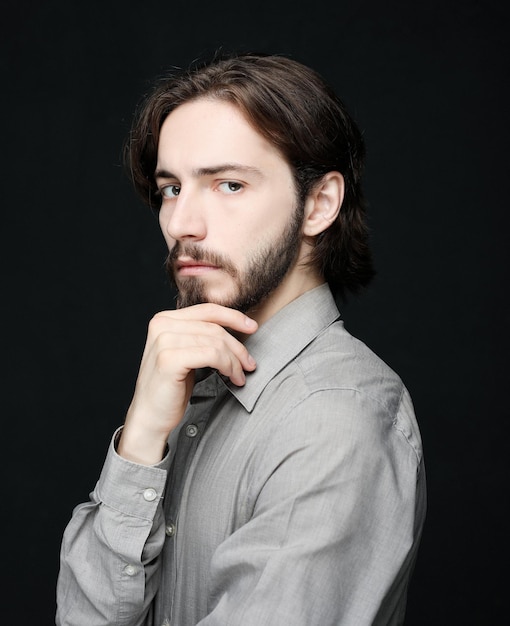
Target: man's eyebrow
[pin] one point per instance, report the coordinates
(163, 174)
(213, 170)
(226, 167)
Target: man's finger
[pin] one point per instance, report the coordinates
(215, 314)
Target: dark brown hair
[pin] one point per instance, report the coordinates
(295, 110)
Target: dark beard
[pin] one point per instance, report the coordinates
(264, 273)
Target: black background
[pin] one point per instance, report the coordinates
(83, 259)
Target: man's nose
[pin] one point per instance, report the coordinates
(185, 218)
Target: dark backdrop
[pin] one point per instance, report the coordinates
(83, 259)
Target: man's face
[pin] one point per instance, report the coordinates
(229, 212)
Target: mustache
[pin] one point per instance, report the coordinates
(200, 254)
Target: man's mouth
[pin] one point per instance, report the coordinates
(190, 267)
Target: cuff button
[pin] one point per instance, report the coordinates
(150, 494)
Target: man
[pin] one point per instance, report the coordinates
(269, 470)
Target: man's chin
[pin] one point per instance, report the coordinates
(191, 295)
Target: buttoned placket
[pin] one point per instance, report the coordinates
(189, 438)
(188, 441)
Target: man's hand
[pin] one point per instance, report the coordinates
(178, 342)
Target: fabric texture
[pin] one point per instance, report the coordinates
(296, 499)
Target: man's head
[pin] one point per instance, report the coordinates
(228, 211)
(294, 111)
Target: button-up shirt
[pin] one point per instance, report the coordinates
(298, 498)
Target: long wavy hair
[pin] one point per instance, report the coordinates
(292, 107)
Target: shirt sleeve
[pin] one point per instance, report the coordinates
(109, 555)
(338, 506)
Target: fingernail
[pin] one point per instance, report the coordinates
(249, 322)
(251, 361)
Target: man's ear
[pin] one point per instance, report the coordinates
(323, 204)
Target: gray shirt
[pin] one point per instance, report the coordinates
(296, 499)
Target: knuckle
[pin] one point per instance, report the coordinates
(216, 352)
(163, 360)
(155, 322)
(159, 342)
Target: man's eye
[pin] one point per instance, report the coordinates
(230, 186)
(170, 191)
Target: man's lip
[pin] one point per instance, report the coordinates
(183, 263)
(189, 267)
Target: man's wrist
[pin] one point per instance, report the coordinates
(140, 447)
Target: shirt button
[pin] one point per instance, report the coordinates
(130, 570)
(170, 530)
(191, 430)
(150, 494)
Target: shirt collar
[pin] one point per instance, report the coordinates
(279, 340)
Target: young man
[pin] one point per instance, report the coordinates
(269, 470)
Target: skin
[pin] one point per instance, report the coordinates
(226, 192)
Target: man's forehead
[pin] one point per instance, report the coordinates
(205, 135)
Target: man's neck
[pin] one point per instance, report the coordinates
(291, 288)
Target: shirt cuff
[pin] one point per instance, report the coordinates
(131, 488)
